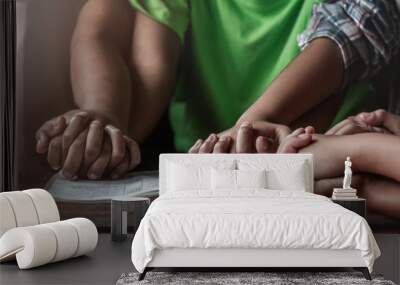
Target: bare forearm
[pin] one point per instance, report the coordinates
(382, 194)
(101, 79)
(371, 153)
(154, 60)
(100, 50)
(311, 78)
(154, 92)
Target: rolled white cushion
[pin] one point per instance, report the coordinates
(40, 244)
(45, 205)
(87, 235)
(67, 240)
(23, 208)
(26, 208)
(7, 218)
(33, 246)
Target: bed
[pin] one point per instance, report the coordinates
(246, 211)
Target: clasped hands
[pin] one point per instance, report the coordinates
(87, 144)
(266, 137)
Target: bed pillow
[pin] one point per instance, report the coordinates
(230, 180)
(223, 179)
(291, 175)
(185, 175)
(251, 178)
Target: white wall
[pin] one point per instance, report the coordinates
(44, 29)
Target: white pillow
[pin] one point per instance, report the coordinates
(251, 178)
(290, 174)
(230, 180)
(185, 175)
(223, 179)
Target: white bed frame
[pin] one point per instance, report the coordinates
(251, 258)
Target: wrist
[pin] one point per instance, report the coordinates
(251, 116)
(107, 117)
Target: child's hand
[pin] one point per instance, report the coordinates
(378, 121)
(298, 139)
(381, 118)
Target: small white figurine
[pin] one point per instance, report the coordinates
(347, 192)
(347, 174)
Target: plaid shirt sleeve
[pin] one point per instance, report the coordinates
(367, 33)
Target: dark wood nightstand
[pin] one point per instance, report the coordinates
(357, 205)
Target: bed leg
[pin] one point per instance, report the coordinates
(143, 274)
(364, 271)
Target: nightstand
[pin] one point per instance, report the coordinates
(120, 207)
(357, 205)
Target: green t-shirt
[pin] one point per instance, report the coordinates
(233, 49)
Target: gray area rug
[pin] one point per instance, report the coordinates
(231, 278)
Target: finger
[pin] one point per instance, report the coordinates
(281, 133)
(310, 130)
(54, 154)
(49, 130)
(380, 130)
(380, 118)
(275, 133)
(118, 145)
(245, 138)
(338, 126)
(121, 169)
(97, 169)
(74, 157)
(368, 118)
(78, 123)
(275, 145)
(94, 142)
(390, 121)
(271, 130)
(196, 147)
(262, 144)
(351, 129)
(209, 143)
(134, 152)
(293, 143)
(297, 132)
(223, 145)
(375, 118)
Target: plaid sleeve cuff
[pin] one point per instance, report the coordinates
(367, 32)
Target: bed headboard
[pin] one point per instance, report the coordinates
(205, 158)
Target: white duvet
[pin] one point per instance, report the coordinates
(250, 219)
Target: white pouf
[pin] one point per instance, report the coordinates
(40, 244)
